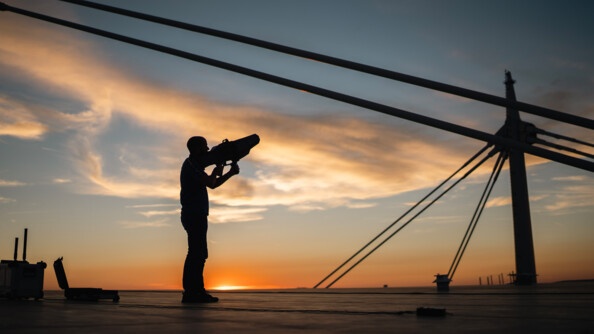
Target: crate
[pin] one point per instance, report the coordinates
(20, 279)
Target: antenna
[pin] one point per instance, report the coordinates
(16, 247)
(24, 246)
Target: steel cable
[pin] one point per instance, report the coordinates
(489, 155)
(475, 95)
(403, 215)
(478, 212)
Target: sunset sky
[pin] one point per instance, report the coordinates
(93, 133)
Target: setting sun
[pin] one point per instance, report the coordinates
(230, 287)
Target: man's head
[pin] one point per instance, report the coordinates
(197, 145)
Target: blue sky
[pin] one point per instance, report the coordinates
(93, 133)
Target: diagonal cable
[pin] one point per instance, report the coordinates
(475, 95)
(467, 233)
(481, 210)
(490, 154)
(562, 147)
(477, 213)
(558, 136)
(461, 130)
(403, 215)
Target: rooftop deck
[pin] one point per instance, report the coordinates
(566, 308)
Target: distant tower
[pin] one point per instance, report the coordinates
(524, 246)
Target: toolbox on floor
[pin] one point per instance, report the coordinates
(21, 279)
(87, 294)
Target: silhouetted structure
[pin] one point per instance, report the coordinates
(21, 279)
(524, 247)
(442, 282)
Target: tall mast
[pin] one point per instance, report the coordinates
(524, 246)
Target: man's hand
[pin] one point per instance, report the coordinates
(218, 170)
(216, 178)
(234, 169)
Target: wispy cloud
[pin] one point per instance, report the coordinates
(4, 200)
(499, 201)
(573, 178)
(16, 120)
(507, 200)
(9, 183)
(153, 213)
(572, 197)
(220, 214)
(145, 224)
(144, 206)
(303, 162)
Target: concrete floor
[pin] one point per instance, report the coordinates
(542, 309)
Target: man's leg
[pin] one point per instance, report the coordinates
(193, 279)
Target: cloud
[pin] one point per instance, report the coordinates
(575, 178)
(7, 183)
(303, 162)
(144, 224)
(218, 214)
(572, 197)
(4, 200)
(221, 214)
(361, 205)
(17, 121)
(499, 201)
(153, 213)
(141, 206)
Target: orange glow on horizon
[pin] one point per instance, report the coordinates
(220, 279)
(231, 287)
(169, 277)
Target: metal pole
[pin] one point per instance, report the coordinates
(16, 248)
(25, 246)
(525, 263)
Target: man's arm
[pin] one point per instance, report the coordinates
(217, 178)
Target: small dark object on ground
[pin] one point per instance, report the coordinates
(431, 312)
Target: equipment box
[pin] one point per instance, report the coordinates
(21, 279)
(87, 294)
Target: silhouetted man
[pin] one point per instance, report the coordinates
(194, 216)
